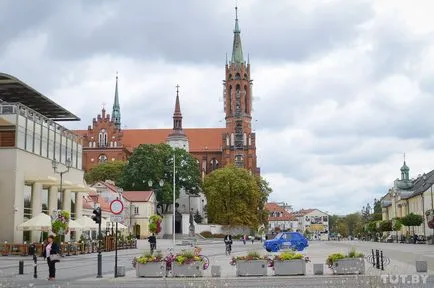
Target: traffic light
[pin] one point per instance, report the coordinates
(97, 215)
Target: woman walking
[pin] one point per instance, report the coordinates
(51, 252)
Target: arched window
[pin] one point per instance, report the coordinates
(228, 140)
(230, 100)
(246, 101)
(102, 138)
(245, 139)
(232, 139)
(237, 76)
(116, 144)
(102, 158)
(250, 140)
(213, 164)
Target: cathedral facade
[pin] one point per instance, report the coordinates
(213, 148)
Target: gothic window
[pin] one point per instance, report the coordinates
(116, 144)
(111, 143)
(102, 158)
(213, 164)
(246, 100)
(232, 139)
(102, 138)
(250, 140)
(228, 140)
(245, 139)
(230, 100)
(237, 76)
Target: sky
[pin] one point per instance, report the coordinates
(342, 89)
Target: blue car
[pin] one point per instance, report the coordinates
(288, 240)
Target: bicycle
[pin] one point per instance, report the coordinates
(228, 248)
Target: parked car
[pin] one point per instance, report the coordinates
(288, 240)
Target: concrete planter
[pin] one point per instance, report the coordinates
(349, 266)
(290, 267)
(193, 269)
(151, 269)
(252, 267)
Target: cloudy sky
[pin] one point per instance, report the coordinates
(342, 88)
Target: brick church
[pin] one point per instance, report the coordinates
(213, 148)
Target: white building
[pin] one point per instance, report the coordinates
(30, 140)
(279, 218)
(315, 222)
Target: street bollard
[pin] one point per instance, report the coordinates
(21, 267)
(35, 266)
(382, 260)
(377, 258)
(373, 258)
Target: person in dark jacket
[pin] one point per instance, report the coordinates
(51, 248)
(153, 242)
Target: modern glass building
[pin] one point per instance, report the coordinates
(40, 160)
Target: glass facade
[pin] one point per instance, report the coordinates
(37, 134)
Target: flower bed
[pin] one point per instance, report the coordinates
(253, 264)
(60, 224)
(352, 263)
(149, 265)
(187, 264)
(289, 263)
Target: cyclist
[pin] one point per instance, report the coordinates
(228, 243)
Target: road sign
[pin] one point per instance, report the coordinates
(116, 218)
(116, 207)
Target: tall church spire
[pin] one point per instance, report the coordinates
(177, 115)
(116, 113)
(177, 139)
(237, 49)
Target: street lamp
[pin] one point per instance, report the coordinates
(150, 183)
(55, 165)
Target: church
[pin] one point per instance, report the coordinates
(213, 148)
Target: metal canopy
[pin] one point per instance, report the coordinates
(13, 90)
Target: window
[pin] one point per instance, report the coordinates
(136, 210)
(102, 138)
(102, 158)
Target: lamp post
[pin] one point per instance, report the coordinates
(97, 218)
(55, 165)
(150, 183)
(174, 171)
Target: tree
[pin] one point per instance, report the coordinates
(233, 197)
(265, 190)
(353, 222)
(333, 219)
(411, 220)
(386, 226)
(105, 171)
(150, 162)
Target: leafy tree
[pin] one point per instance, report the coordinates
(342, 228)
(265, 190)
(333, 219)
(150, 162)
(377, 207)
(397, 225)
(386, 226)
(353, 221)
(233, 197)
(411, 220)
(105, 171)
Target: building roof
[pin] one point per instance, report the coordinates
(200, 139)
(13, 90)
(137, 196)
(274, 207)
(303, 212)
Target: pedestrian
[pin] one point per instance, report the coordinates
(152, 242)
(244, 239)
(51, 253)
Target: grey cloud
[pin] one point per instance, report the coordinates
(159, 29)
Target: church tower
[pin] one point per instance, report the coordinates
(177, 139)
(239, 141)
(116, 113)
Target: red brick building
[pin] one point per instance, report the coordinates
(235, 143)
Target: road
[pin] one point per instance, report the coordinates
(80, 270)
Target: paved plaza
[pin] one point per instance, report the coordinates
(80, 270)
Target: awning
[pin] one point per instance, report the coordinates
(13, 90)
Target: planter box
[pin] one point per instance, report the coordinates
(252, 267)
(290, 267)
(152, 269)
(349, 266)
(193, 269)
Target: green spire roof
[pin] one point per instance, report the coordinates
(116, 113)
(237, 49)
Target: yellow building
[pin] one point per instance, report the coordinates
(410, 196)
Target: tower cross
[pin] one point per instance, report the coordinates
(177, 88)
